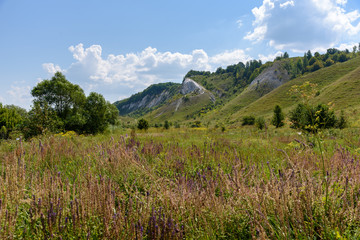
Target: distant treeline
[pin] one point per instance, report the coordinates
(244, 74)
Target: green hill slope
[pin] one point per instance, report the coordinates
(337, 84)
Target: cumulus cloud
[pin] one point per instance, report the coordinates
(51, 68)
(299, 25)
(19, 95)
(125, 74)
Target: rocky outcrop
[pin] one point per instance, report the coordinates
(148, 101)
(271, 78)
(151, 98)
(190, 86)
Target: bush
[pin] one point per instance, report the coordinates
(312, 118)
(196, 124)
(341, 122)
(260, 123)
(248, 120)
(143, 124)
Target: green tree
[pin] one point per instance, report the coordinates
(166, 124)
(60, 94)
(308, 55)
(305, 62)
(41, 120)
(278, 117)
(143, 124)
(70, 108)
(11, 118)
(95, 113)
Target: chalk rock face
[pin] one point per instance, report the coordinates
(270, 78)
(189, 86)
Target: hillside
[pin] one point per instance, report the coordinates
(227, 95)
(147, 100)
(336, 84)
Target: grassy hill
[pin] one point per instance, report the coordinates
(337, 84)
(255, 89)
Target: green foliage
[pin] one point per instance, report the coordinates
(196, 124)
(312, 118)
(143, 124)
(62, 106)
(11, 119)
(166, 124)
(41, 120)
(278, 118)
(260, 123)
(316, 66)
(341, 122)
(248, 120)
(96, 113)
(61, 95)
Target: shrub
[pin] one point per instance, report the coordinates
(260, 123)
(342, 122)
(248, 120)
(143, 124)
(196, 124)
(312, 118)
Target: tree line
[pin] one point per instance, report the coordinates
(58, 106)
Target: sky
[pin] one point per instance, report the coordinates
(120, 47)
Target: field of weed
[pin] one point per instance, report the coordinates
(182, 184)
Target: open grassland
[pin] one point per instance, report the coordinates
(182, 184)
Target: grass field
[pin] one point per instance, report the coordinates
(182, 184)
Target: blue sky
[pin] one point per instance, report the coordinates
(118, 48)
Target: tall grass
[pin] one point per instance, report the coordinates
(193, 184)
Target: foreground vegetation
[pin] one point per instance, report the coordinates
(182, 183)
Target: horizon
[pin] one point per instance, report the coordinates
(120, 48)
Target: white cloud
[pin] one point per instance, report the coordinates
(51, 68)
(269, 57)
(239, 23)
(125, 74)
(287, 4)
(298, 25)
(19, 95)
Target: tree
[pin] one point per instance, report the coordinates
(286, 55)
(278, 117)
(95, 113)
(143, 124)
(308, 55)
(166, 124)
(305, 62)
(343, 57)
(60, 94)
(11, 118)
(65, 98)
(41, 120)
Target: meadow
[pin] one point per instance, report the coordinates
(182, 183)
